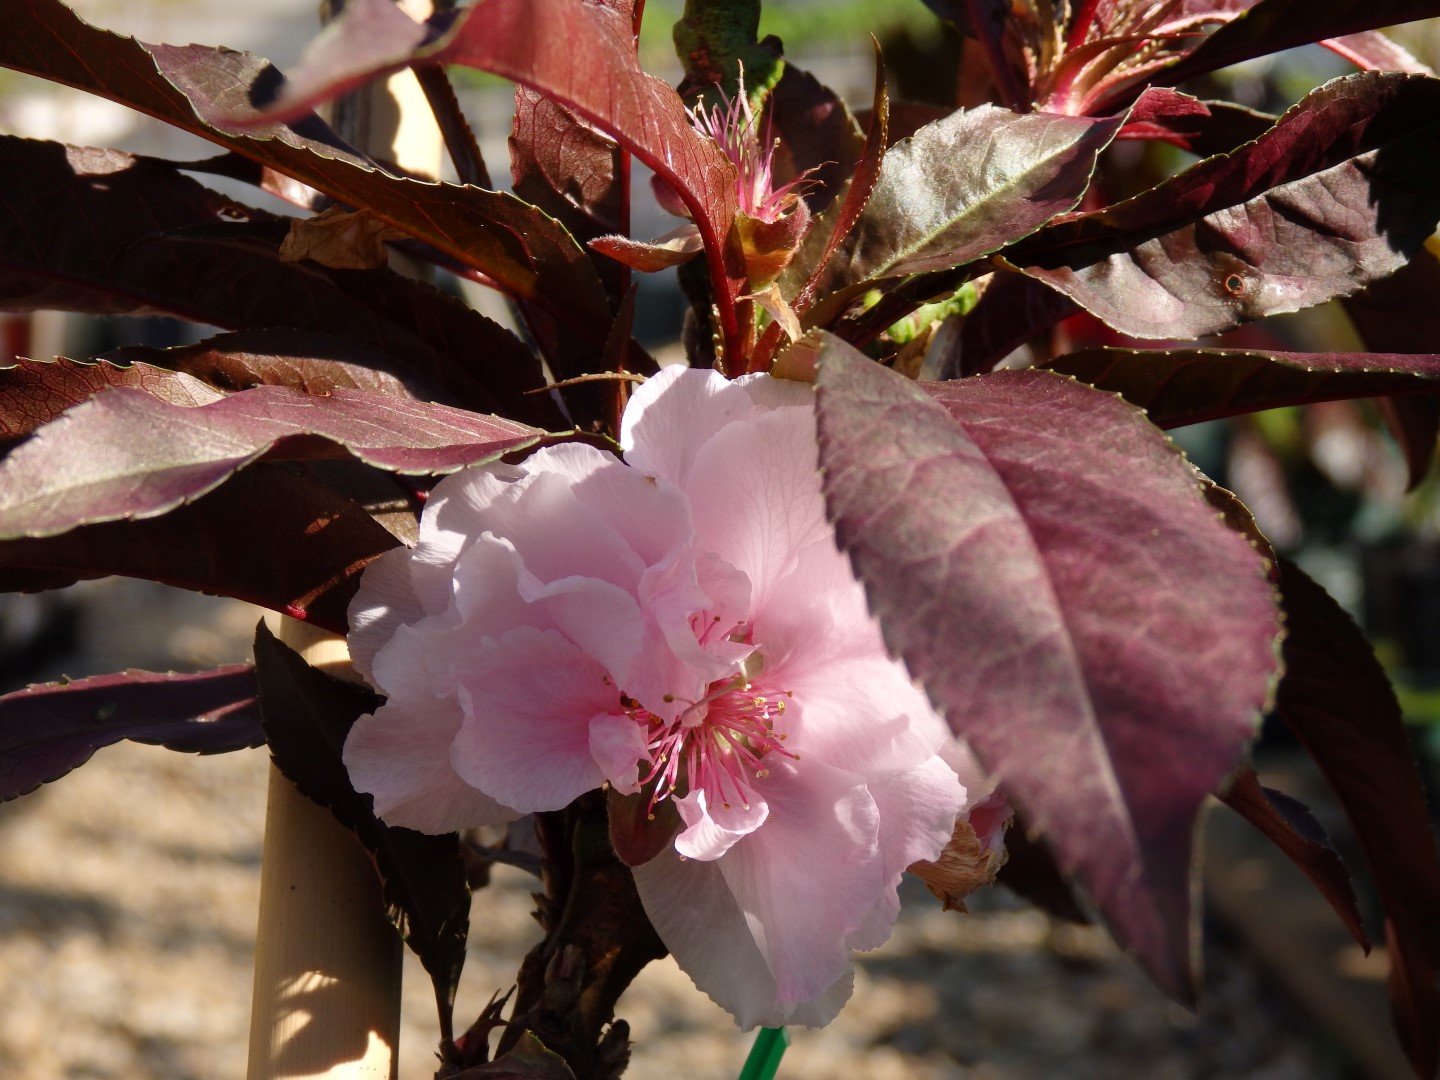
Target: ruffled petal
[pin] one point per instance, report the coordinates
(384, 602)
(701, 923)
(917, 812)
(755, 497)
(809, 878)
(528, 702)
(617, 743)
(711, 831)
(401, 755)
(674, 413)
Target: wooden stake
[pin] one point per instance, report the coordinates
(326, 1001)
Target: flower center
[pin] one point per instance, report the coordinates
(718, 745)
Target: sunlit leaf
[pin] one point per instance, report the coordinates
(1338, 193)
(1044, 562)
(125, 454)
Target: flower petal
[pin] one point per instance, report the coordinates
(401, 755)
(711, 831)
(528, 702)
(701, 923)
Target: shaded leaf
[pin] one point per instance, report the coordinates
(1011, 311)
(307, 715)
(818, 137)
(102, 231)
(1338, 193)
(34, 392)
(211, 93)
(582, 56)
(305, 360)
(1399, 314)
(528, 1059)
(569, 170)
(271, 536)
(937, 203)
(1336, 699)
(1290, 826)
(1271, 26)
(1043, 561)
(125, 454)
(47, 730)
(823, 240)
(1185, 386)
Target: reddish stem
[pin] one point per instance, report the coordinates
(1081, 23)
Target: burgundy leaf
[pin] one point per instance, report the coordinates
(1162, 113)
(567, 169)
(1290, 826)
(1398, 314)
(125, 454)
(582, 56)
(34, 392)
(105, 232)
(1338, 193)
(45, 731)
(937, 203)
(1011, 311)
(271, 536)
(313, 362)
(211, 93)
(818, 137)
(1374, 51)
(1336, 699)
(1185, 386)
(826, 236)
(1044, 562)
(1271, 26)
(307, 715)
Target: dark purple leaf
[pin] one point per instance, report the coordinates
(1012, 310)
(937, 203)
(825, 237)
(569, 170)
(305, 360)
(45, 731)
(209, 92)
(34, 392)
(1271, 26)
(125, 454)
(307, 715)
(818, 136)
(1398, 314)
(1185, 386)
(105, 232)
(1290, 826)
(528, 1059)
(1044, 562)
(1338, 193)
(271, 535)
(582, 55)
(1374, 51)
(1336, 699)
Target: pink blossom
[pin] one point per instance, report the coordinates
(681, 625)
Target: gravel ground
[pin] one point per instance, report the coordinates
(128, 893)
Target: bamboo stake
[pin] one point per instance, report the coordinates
(326, 1000)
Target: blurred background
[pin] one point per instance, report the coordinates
(128, 889)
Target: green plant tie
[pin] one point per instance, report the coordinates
(765, 1055)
